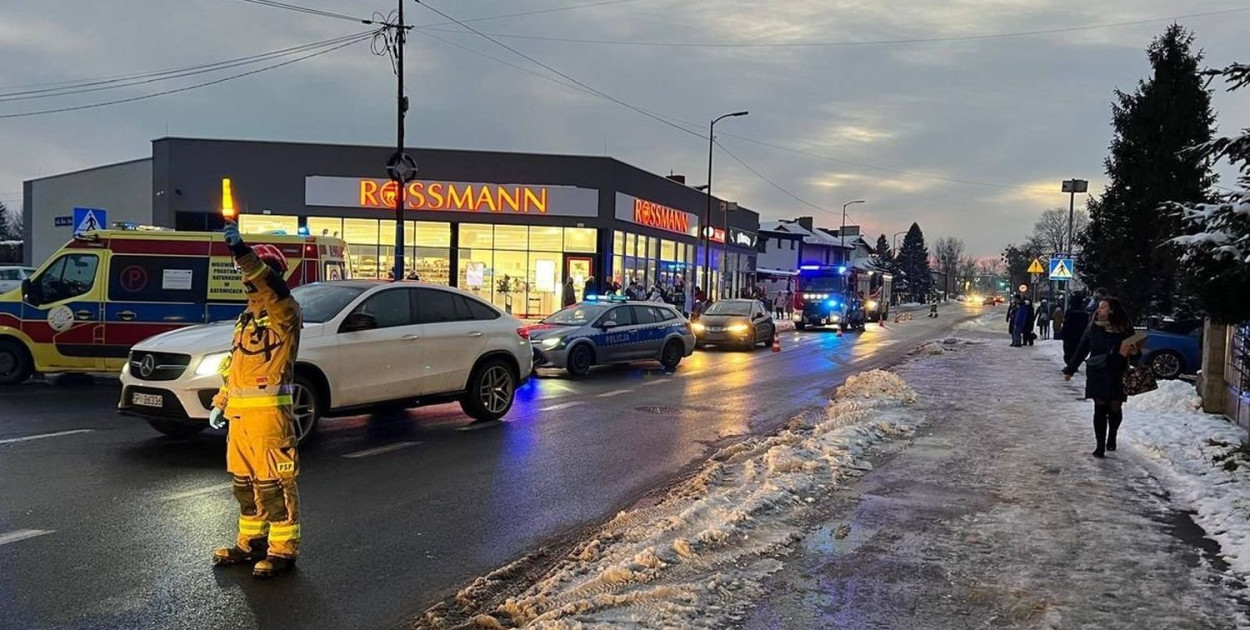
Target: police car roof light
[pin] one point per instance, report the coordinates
(809, 267)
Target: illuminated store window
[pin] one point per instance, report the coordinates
(477, 236)
(546, 239)
(362, 247)
(324, 226)
(581, 240)
(268, 224)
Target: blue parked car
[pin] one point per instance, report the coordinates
(1174, 348)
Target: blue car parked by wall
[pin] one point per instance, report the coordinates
(1174, 348)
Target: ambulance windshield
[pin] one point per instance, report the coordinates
(321, 302)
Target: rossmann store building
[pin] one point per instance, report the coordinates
(507, 226)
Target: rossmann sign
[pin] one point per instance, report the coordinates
(654, 215)
(442, 196)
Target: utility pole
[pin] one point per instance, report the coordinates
(401, 167)
(401, 107)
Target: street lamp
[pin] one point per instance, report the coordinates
(707, 214)
(842, 232)
(894, 241)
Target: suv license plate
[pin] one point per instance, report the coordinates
(148, 400)
(715, 329)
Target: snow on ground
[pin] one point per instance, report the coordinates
(695, 560)
(1192, 446)
(938, 346)
(1196, 447)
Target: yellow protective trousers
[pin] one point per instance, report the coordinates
(260, 453)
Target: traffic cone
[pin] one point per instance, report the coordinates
(776, 341)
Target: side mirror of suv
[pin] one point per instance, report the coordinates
(31, 292)
(357, 322)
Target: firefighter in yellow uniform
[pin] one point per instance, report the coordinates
(256, 401)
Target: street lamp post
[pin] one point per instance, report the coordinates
(842, 232)
(707, 214)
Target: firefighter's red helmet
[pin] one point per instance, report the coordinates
(271, 256)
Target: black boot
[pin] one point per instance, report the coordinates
(271, 566)
(1100, 429)
(1114, 417)
(237, 555)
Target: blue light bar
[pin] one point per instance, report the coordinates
(809, 267)
(841, 269)
(833, 303)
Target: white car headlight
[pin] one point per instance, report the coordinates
(871, 304)
(211, 364)
(551, 342)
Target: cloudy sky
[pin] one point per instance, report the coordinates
(967, 135)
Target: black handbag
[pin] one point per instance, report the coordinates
(1139, 379)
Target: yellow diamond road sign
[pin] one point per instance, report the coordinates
(1036, 267)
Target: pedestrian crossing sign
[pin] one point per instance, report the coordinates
(1036, 267)
(1061, 268)
(88, 219)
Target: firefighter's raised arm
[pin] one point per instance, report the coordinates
(259, 273)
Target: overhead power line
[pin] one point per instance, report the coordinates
(144, 78)
(772, 183)
(850, 43)
(599, 93)
(308, 10)
(359, 38)
(501, 16)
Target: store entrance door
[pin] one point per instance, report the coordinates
(580, 269)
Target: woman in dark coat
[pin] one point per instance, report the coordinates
(1075, 321)
(1104, 344)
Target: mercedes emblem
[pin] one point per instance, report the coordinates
(147, 365)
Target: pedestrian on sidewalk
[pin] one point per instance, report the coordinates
(570, 293)
(1108, 356)
(1043, 321)
(1027, 320)
(1011, 321)
(1075, 321)
(1056, 319)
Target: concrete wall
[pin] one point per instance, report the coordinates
(123, 190)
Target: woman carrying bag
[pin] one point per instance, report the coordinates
(1108, 344)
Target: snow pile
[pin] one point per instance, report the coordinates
(938, 346)
(1175, 396)
(697, 558)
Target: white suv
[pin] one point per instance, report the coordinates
(363, 343)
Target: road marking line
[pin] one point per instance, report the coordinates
(561, 406)
(22, 534)
(45, 435)
(197, 492)
(378, 450)
(613, 393)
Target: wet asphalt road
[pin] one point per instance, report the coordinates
(108, 525)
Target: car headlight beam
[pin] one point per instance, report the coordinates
(697, 327)
(211, 363)
(551, 342)
(739, 328)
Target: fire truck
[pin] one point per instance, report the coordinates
(835, 295)
(106, 290)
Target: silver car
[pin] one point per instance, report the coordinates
(611, 331)
(11, 277)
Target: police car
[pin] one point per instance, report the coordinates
(611, 330)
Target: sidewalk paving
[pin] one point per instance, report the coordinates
(996, 515)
